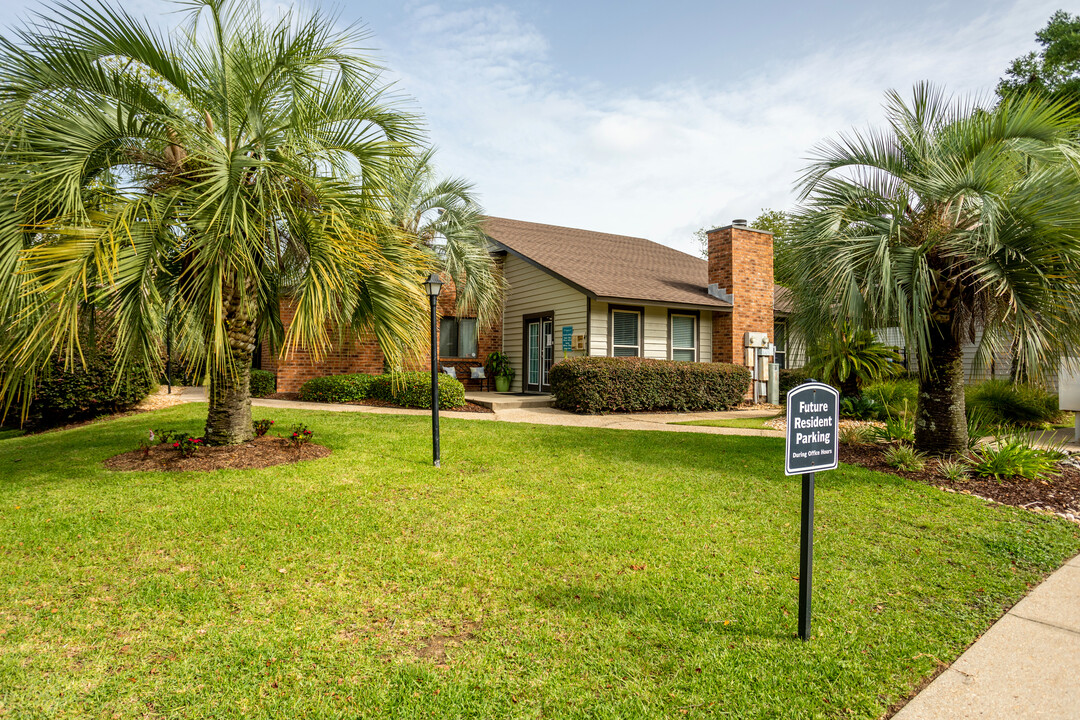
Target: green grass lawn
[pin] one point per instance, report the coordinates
(590, 573)
(757, 423)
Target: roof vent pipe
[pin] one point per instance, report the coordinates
(739, 222)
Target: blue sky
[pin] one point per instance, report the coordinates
(657, 118)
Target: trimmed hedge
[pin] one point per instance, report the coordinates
(337, 388)
(413, 389)
(604, 384)
(790, 378)
(262, 383)
(62, 396)
(408, 389)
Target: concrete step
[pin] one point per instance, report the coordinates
(508, 401)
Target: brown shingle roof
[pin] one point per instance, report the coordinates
(783, 300)
(615, 267)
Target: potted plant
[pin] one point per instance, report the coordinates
(498, 367)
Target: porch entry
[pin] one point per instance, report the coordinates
(539, 351)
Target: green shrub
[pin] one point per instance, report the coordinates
(905, 457)
(953, 469)
(262, 383)
(893, 394)
(337, 388)
(897, 429)
(413, 389)
(604, 384)
(1014, 456)
(860, 407)
(63, 396)
(1006, 404)
(790, 379)
(857, 435)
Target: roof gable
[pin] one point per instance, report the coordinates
(608, 267)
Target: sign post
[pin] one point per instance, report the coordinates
(811, 445)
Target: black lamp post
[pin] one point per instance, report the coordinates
(434, 285)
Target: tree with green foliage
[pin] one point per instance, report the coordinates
(446, 221)
(1053, 71)
(216, 169)
(954, 219)
(778, 223)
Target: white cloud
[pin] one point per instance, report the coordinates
(664, 161)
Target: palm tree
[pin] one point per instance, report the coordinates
(953, 220)
(212, 171)
(446, 220)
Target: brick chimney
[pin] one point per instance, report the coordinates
(741, 264)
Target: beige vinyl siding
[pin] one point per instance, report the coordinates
(655, 338)
(531, 290)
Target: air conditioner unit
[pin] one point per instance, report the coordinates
(755, 340)
(579, 342)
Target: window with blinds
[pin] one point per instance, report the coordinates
(625, 333)
(684, 337)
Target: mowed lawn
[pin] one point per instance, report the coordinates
(543, 572)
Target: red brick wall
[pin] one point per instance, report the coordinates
(363, 355)
(741, 262)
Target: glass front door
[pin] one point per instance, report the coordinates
(539, 353)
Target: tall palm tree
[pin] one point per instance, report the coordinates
(215, 170)
(953, 220)
(444, 217)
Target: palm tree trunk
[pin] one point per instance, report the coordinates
(228, 421)
(940, 422)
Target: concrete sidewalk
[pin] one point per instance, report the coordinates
(536, 415)
(1026, 666)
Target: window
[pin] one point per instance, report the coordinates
(780, 340)
(625, 333)
(684, 337)
(457, 337)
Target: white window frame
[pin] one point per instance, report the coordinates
(781, 355)
(640, 331)
(671, 335)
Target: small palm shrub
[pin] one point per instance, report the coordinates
(906, 458)
(789, 379)
(1007, 404)
(857, 435)
(852, 358)
(953, 469)
(1014, 456)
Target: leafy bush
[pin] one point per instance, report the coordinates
(905, 457)
(187, 445)
(338, 388)
(953, 470)
(62, 396)
(857, 434)
(262, 427)
(852, 358)
(262, 383)
(860, 408)
(1013, 405)
(413, 389)
(789, 379)
(1014, 456)
(894, 396)
(897, 429)
(609, 384)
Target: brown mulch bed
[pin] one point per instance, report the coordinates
(266, 451)
(1059, 494)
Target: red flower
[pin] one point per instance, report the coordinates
(176, 444)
